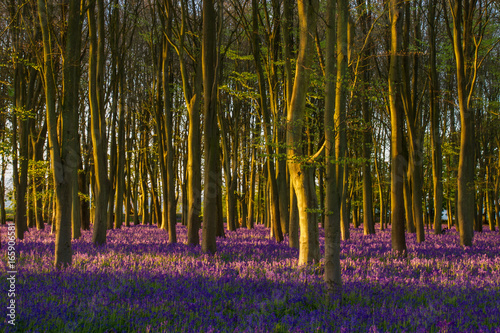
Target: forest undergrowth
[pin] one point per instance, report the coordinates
(138, 282)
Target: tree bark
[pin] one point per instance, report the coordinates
(466, 166)
(332, 274)
(299, 168)
(211, 132)
(437, 156)
(98, 119)
(169, 151)
(64, 159)
(251, 193)
(274, 194)
(398, 160)
(368, 221)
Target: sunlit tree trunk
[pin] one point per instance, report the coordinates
(84, 177)
(299, 173)
(194, 162)
(332, 190)
(397, 155)
(345, 206)
(466, 166)
(340, 102)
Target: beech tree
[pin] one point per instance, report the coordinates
(300, 171)
(462, 26)
(64, 158)
(397, 158)
(211, 131)
(98, 118)
(332, 190)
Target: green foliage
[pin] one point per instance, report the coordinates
(234, 55)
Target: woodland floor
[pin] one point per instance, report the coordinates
(139, 283)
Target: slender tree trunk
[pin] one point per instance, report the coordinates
(414, 203)
(437, 158)
(21, 124)
(497, 197)
(368, 221)
(96, 98)
(490, 209)
(340, 97)
(251, 194)
(410, 223)
(3, 213)
(211, 132)
(167, 101)
(397, 156)
(465, 191)
(38, 185)
(274, 194)
(110, 220)
(230, 166)
(194, 164)
(64, 160)
(345, 207)
(333, 191)
(120, 172)
(380, 192)
(293, 237)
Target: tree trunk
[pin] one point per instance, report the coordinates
(274, 194)
(293, 237)
(437, 158)
(410, 223)
(22, 124)
(497, 197)
(345, 207)
(397, 157)
(210, 131)
(380, 191)
(299, 168)
(98, 118)
(64, 160)
(251, 193)
(465, 191)
(332, 273)
(120, 176)
(169, 151)
(414, 203)
(340, 126)
(368, 221)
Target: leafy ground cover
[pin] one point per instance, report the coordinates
(138, 282)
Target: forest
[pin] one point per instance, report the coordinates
(341, 159)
